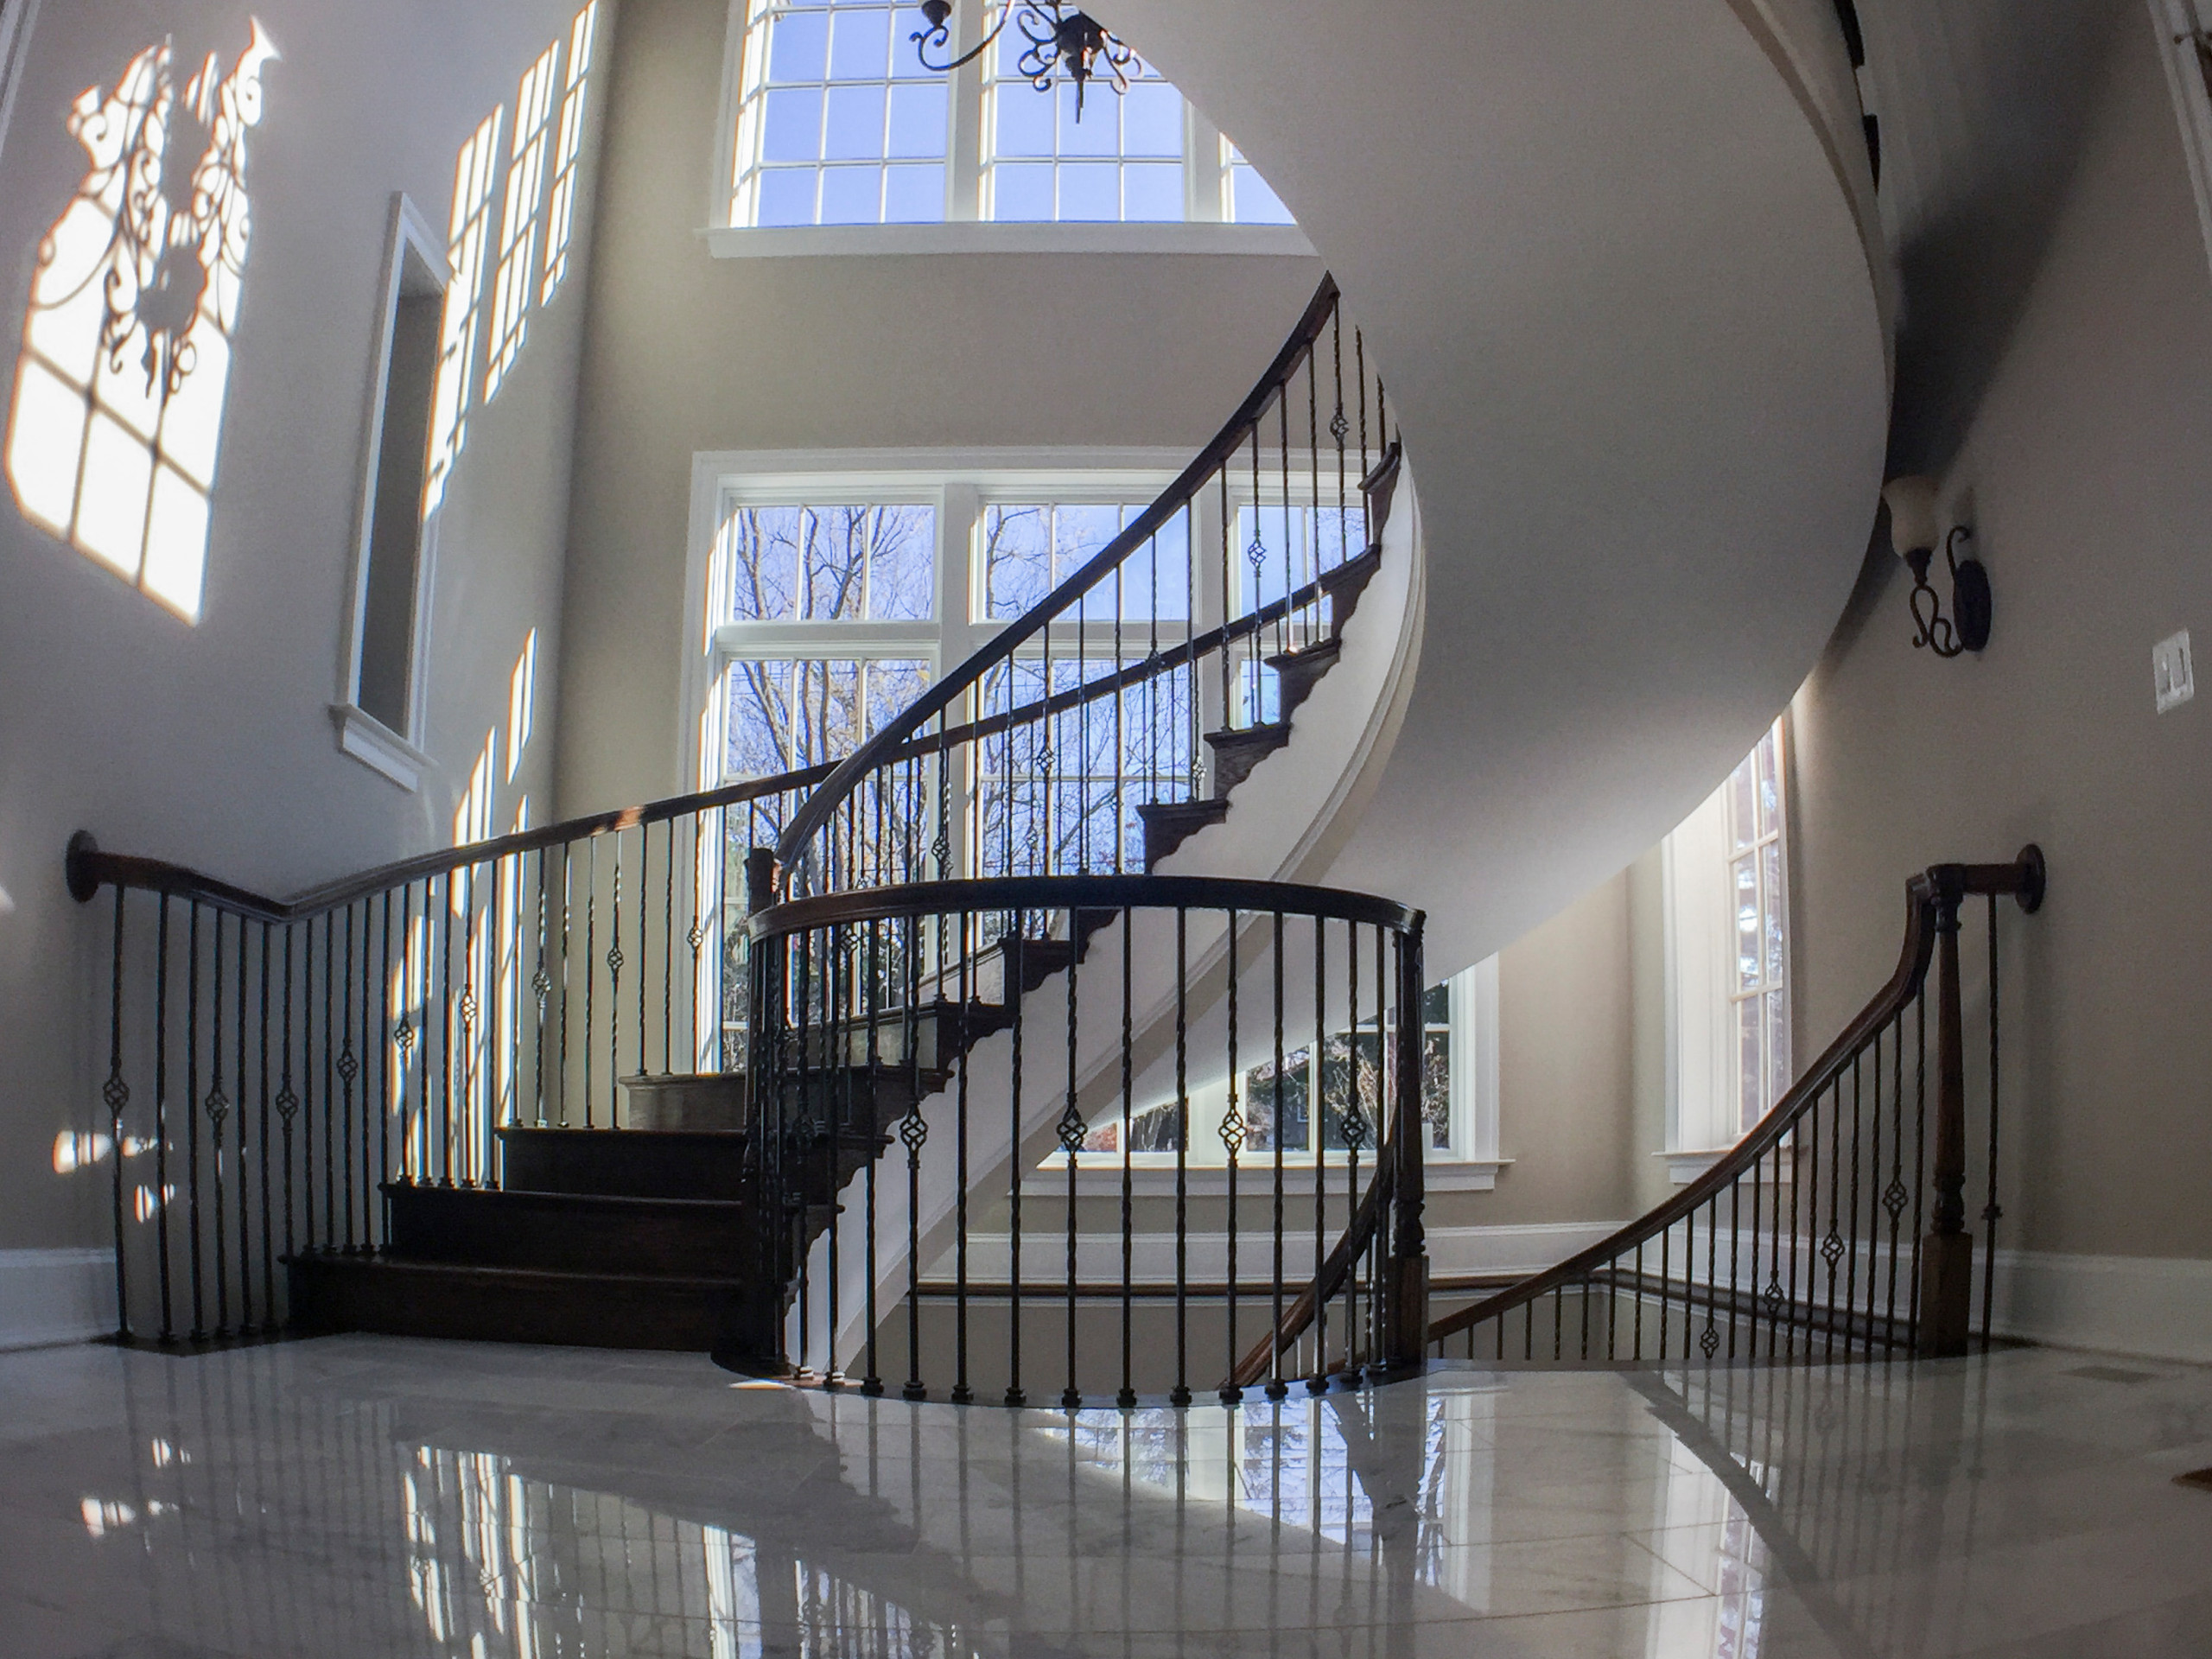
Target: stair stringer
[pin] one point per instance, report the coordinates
(1340, 740)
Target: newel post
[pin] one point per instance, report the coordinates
(1406, 1317)
(1947, 1254)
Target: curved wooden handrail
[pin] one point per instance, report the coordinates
(1335, 1267)
(998, 893)
(893, 741)
(1940, 885)
(89, 869)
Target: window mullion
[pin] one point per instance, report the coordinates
(963, 171)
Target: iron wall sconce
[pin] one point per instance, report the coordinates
(1914, 528)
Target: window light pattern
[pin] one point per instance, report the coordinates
(519, 223)
(1123, 160)
(117, 416)
(838, 122)
(560, 215)
(475, 179)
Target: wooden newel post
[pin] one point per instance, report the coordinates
(1406, 1316)
(1947, 1254)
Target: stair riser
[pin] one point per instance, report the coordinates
(627, 1164)
(507, 1229)
(681, 1318)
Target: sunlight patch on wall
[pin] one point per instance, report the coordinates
(117, 416)
(512, 287)
(522, 703)
(475, 178)
(561, 218)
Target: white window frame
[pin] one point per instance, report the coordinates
(964, 230)
(397, 756)
(1701, 1068)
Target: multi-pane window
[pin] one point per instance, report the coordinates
(830, 563)
(1347, 1070)
(1028, 549)
(1247, 199)
(838, 122)
(1759, 914)
(1121, 158)
(787, 713)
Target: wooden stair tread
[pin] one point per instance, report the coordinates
(618, 1203)
(521, 1278)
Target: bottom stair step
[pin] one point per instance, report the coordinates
(473, 1304)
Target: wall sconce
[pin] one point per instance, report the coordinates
(1914, 530)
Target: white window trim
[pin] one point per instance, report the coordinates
(1697, 951)
(397, 755)
(963, 229)
(2178, 21)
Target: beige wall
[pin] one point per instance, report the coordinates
(212, 745)
(687, 353)
(2084, 472)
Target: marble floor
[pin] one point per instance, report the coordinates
(360, 1496)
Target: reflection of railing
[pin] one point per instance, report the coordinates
(1081, 719)
(978, 1024)
(271, 1063)
(1795, 1245)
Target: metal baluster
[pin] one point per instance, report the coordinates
(1126, 1398)
(813, 1083)
(1355, 1133)
(1359, 377)
(591, 976)
(1990, 1212)
(217, 1105)
(1851, 1253)
(962, 1394)
(1228, 711)
(614, 961)
(329, 1070)
(1636, 1334)
(348, 1069)
(117, 1093)
(1894, 1196)
(1073, 1131)
(1017, 981)
(191, 1116)
(288, 1108)
(268, 1251)
(160, 1216)
(914, 1132)
(245, 1264)
(838, 1085)
(1317, 1136)
(1232, 1141)
(1181, 1395)
(1276, 1387)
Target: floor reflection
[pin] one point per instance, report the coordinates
(369, 1497)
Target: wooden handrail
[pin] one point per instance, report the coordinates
(1924, 894)
(891, 742)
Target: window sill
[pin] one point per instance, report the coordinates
(1211, 1180)
(812, 241)
(1684, 1167)
(379, 748)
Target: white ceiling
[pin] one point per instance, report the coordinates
(1613, 277)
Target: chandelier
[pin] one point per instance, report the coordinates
(1059, 38)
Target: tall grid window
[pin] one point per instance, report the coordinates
(1758, 914)
(838, 122)
(511, 289)
(1123, 160)
(561, 216)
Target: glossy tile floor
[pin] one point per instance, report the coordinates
(364, 1496)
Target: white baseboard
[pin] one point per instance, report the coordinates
(48, 1297)
(2158, 1306)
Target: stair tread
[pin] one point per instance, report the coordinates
(1274, 731)
(1212, 806)
(708, 1137)
(617, 1202)
(413, 1267)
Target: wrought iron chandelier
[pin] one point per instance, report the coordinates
(1060, 37)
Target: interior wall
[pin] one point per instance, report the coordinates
(686, 354)
(212, 744)
(2082, 472)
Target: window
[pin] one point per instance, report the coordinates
(834, 121)
(1459, 1094)
(1724, 901)
(117, 416)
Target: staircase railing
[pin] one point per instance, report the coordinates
(992, 1028)
(1070, 743)
(1796, 1242)
(272, 1063)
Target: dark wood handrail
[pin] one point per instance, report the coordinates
(89, 869)
(891, 742)
(1940, 885)
(1335, 1267)
(1072, 892)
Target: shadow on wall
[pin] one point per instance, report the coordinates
(1984, 118)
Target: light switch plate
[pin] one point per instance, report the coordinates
(2173, 679)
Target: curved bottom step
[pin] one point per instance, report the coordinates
(473, 1304)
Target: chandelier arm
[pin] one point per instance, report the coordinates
(925, 38)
